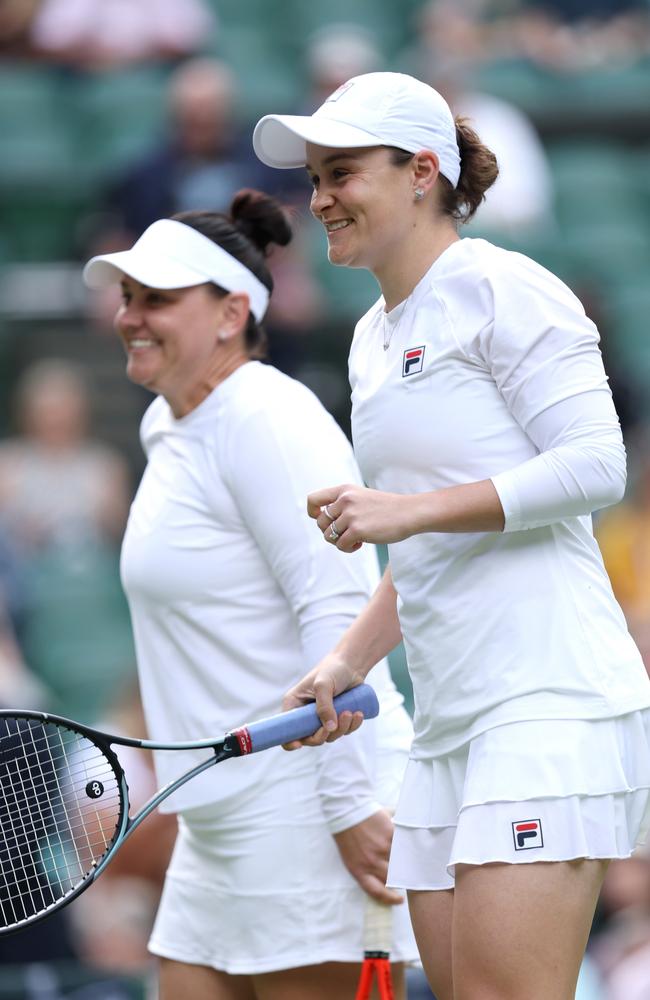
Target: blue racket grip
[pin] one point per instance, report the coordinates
(299, 723)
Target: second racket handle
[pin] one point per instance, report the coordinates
(299, 723)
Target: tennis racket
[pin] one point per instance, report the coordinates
(64, 798)
(377, 940)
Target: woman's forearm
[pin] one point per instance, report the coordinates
(469, 507)
(375, 632)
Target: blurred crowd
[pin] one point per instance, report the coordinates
(564, 34)
(67, 476)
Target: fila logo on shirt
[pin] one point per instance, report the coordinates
(412, 361)
(527, 833)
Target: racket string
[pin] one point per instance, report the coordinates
(54, 831)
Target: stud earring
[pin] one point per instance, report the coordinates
(418, 194)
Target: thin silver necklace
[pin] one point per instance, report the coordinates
(388, 332)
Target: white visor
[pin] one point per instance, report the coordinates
(170, 254)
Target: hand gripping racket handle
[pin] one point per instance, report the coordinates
(299, 722)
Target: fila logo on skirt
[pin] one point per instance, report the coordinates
(412, 361)
(527, 833)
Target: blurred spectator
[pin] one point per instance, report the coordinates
(334, 54)
(16, 20)
(63, 500)
(203, 160)
(57, 484)
(521, 200)
(571, 36)
(206, 156)
(446, 34)
(310, 296)
(453, 39)
(105, 34)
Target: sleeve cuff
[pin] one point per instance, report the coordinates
(353, 816)
(506, 491)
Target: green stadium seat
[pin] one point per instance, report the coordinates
(628, 311)
(641, 163)
(266, 74)
(543, 245)
(78, 635)
(608, 250)
(595, 181)
(586, 98)
(43, 186)
(610, 91)
(522, 83)
(118, 115)
(29, 95)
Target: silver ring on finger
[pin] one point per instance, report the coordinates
(334, 534)
(326, 511)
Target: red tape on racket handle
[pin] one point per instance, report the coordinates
(299, 722)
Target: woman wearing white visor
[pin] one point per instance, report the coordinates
(232, 598)
(484, 427)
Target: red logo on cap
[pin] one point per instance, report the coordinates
(343, 89)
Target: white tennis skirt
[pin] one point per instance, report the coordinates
(261, 887)
(551, 790)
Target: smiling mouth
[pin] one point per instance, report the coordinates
(138, 343)
(333, 227)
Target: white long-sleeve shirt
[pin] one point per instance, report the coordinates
(493, 371)
(234, 595)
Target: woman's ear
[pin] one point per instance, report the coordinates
(425, 167)
(235, 308)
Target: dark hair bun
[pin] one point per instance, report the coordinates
(260, 218)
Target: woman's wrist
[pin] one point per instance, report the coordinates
(350, 659)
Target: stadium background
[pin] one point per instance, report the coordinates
(77, 121)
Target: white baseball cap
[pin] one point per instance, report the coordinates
(170, 254)
(374, 109)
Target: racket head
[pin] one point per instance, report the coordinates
(63, 811)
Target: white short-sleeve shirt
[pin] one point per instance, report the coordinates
(492, 370)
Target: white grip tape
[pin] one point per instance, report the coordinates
(378, 927)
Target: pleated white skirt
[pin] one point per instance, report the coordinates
(551, 790)
(259, 886)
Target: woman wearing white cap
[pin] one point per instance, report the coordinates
(484, 427)
(232, 598)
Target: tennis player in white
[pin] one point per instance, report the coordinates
(232, 597)
(484, 428)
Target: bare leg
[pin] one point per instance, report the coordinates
(319, 982)
(431, 916)
(200, 982)
(520, 930)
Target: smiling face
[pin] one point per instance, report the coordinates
(364, 201)
(171, 338)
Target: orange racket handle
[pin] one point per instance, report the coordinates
(364, 988)
(384, 978)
